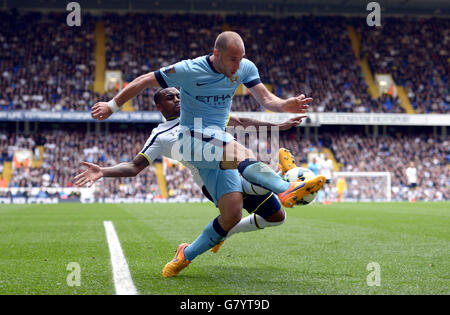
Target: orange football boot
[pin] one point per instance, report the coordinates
(300, 189)
(178, 263)
(216, 248)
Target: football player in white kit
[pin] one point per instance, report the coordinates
(263, 206)
(411, 180)
(326, 169)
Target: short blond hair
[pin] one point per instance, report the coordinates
(225, 38)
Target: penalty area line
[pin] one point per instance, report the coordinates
(121, 274)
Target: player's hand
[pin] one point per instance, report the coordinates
(297, 104)
(101, 111)
(89, 176)
(293, 122)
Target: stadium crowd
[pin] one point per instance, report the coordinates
(415, 51)
(61, 163)
(393, 153)
(46, 65)
(357, 152)
(180, 184)
(314, 57)
(352, 150)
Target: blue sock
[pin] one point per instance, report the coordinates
(212, 235)
(262, 175)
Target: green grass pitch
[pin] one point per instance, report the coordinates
(319, 250)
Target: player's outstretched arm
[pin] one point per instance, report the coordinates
(102, 110)
(246, 122)
(89, 176)
(125, 169)
(297, 104)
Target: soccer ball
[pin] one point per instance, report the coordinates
(300, 173)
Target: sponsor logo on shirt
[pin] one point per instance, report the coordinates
(169, 70)
(213, 98)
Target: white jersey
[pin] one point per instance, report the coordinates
(326, 167)
(411, 175)
(161, 142)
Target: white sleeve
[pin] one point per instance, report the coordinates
(152, 149)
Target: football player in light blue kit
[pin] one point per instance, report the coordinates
(207, 85)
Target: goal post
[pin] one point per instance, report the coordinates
(362, 186)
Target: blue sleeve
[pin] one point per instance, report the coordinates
(251, 74)
(173, 75)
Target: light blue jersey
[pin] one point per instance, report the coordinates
(204, 92)
(206, 97)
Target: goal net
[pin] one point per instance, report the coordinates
(361, 186)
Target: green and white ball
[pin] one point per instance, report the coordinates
(301, 173)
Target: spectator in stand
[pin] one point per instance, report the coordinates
(45, 65)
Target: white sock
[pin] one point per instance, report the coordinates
(252, 222)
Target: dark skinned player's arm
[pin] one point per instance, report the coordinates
(126, 169)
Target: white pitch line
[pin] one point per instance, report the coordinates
(122, 278)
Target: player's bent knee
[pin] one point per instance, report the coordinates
(278, 217)
(281, 218)
(229, 220)
(245, 154)
(228, 165)
(230, 206)
(234, 153)
(234, 218)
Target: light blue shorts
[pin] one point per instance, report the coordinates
(221, 182)
(203, 148)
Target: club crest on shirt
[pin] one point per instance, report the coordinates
(169, 70)
(234, 79)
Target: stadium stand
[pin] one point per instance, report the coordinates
(322, 64)
(415, 52)
(355, 151)
(61, 163)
